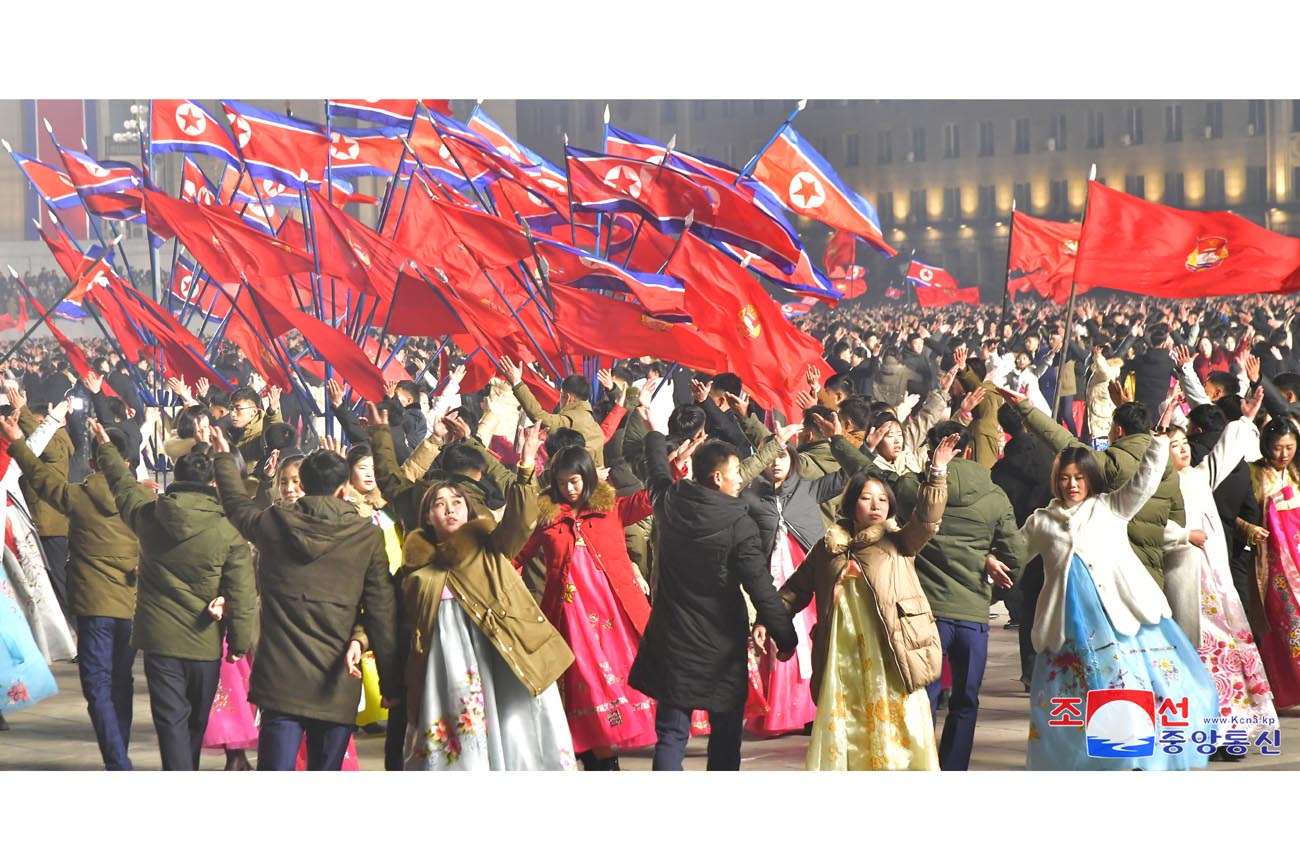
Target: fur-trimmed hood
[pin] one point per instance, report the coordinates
(419, 549)
(840, 540)
(603, 500)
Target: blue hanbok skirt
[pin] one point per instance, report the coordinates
(1158, 659)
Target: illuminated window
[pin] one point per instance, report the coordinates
(1215, 194)
(1058, 131)
(1022, 194)
(1135, 184)
(1174, 196)
(1255, 117)
(1214, 119)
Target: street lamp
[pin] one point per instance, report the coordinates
(135, 126)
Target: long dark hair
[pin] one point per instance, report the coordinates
(1086, 460)
(573, 460)
(853, 492)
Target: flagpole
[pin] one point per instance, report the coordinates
(672, 142)
(1006, 285)
(90, 218)
(749, 166)
(604, 148)
(433, 123)
(146, 141)
(568, 186)
(1069, 310)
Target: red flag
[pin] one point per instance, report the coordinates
(273, 146)
(597, 325)
(354, 252)
(618, 184)
(932, 297)
(76, 357)
(930, 276)
(1045, 252)
(23, 319)
(841, 252)
(194, 185)
(1134, 245)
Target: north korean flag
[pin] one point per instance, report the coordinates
(611, 184)
(795, 309)
(548, 175)
(806, 184)
(359, 152)
(275, 147)
(51, 184)
(212, 301)
(620, 142)
(195, 186)
(930, 276)
(385, 111)
(658, 293)
(185, 126)
(108, 189)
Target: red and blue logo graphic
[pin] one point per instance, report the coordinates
(1121, 723)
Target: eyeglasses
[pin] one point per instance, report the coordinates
(247, 407)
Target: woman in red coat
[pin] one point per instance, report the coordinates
(595, 599)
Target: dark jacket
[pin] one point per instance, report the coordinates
(694, 651)
(409, 428)
(921, 378)
(817, 460)
(577, 415)
(404, 496)
(977, 520)
(102, 551)
(189, 554)
(322, 570)
(799, 504)
(1234, 498)
(1025, 474)
(725, 426)
(1152, 373)
(893, 381)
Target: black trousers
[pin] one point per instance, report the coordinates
(55, 548)
(1031, 585)
(180, 697)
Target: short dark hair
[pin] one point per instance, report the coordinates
(1276, 429)
(323, 472)
(245, 394)
(573, 460)
(853, 492)
(1086, 460)
(821, 412)
(943, 430)
(188, 420)
(576, 386)
(728, 382)
(1229, 383)
(463, 458)
(855, 411)
(359, 452)
(1157, 334)
(564, 437)
(280, 437)
(1208, 417)
(1286, 382)
(839, 382)
(408, 388)
(711, 457)
(195, 468)
(219, 398)
(1133, 417)
(686, 421)
(1010, 421)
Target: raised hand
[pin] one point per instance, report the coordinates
(331, 443)
(97, 430)
(93, 381)
(828, 427)
(959, 356)
(805, 400)
(1166, 418)
(272, 463)
(813, 378)
(59, 411)
(457, 373)
(944, 451)
(514, 372)
(219, 443)
(606, 379)
(457, 427)
(788, 432)
(390, 388)
(375, 416)
(1117, 394)
(973, 399)
(10, 428)
(532, 442)
(201, 386)
(335, 392)
(178, 387)
(1251, 403)
(1251, 363)
(699, 391)
(738, 405)
(1182, 355)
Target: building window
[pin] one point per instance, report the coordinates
(851, 149)
(589, 116)
(1255, 115)
(951, 203)
(1173, 122)
(951, 143)
(884, 147)
(1023, 199)
(1021, 128)
(1056, 140)
(728, 108)
(1215, 195)
(759, 107)
(918, 144)
(668, 112)
(917, 209)
(986, 138)
(885, 207)
(1136, 185)
(1174, 188)
(1256, 184)
(1214, 119)
(1133, 124)
(1096, 129)
(699, 109)
(1059, 199)
(988, 201)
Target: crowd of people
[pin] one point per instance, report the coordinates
(503, 585)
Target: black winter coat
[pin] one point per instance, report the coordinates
(693, 654)
(1025, 474)
(1234, 497)
(1151, 373)
(798, 503)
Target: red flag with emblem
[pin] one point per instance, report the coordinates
(927, 296)
(1045, 252)
(1133, 245)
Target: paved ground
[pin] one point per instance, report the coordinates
(56, 734)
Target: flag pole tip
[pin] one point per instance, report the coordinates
(12, 272)
(8, 149)
(672, 142)
(607, 112)
(1092, 172)
(566, 139)
(801, 104)
(49, 127)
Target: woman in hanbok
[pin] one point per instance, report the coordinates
(1102, 624)
(1226, 646)
(1276, 481)
(787, 508)
(25, 676)
(480, 684)
(875, 646)
(597, 602)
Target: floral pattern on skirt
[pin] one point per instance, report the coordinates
(232, 722)
(865, 719)
(1158, 658)
(1279, 645)
(25, 678)
(475, 714)
(786, 685)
